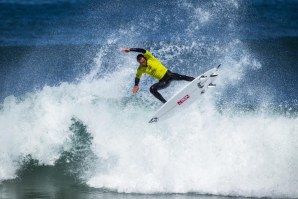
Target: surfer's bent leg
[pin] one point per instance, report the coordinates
(176, 76)
(158, 86)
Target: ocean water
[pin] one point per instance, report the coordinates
(70, 126)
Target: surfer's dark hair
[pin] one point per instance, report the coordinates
(140, 56)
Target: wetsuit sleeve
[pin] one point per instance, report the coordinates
(139, 74)
(139, 50)
(137, 81)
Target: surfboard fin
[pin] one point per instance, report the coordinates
(203, 77)
(155, 119)
(211, 85)
(200, 85)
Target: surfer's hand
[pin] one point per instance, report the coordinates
(135, 89)
(125, 50)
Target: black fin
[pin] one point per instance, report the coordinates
(155, 119)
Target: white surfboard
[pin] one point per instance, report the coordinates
(187, 95)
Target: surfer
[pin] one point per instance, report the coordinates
(152, 66)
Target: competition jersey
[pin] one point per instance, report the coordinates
(154, 68)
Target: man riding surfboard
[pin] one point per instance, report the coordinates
(152, 66)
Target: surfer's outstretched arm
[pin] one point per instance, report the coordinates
(140, 71)
(139, 50)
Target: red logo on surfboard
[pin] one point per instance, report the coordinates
(183, 99)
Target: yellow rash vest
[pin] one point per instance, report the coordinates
(154, 68)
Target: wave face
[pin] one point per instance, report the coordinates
(238, 140)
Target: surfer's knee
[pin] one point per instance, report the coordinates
(153, 89)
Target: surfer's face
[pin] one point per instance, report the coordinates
(142, 61)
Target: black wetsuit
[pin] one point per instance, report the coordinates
(165, 82)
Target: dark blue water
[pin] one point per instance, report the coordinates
(90, 22)
(47, 44)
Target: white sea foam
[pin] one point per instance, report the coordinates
(201, 151)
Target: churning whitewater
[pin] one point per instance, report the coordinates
(202, 151)
(231, 142)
